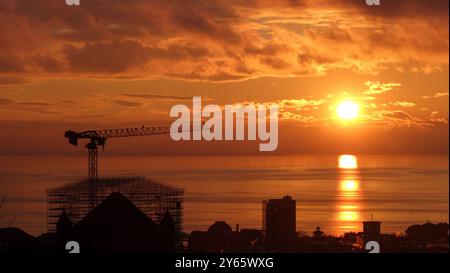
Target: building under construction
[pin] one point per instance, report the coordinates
(151, 197)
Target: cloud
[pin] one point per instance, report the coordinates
(126, 103)
(51, 110)
(299, 103)
(434, 113)
(159, 97)
(379, 88)
(4, 102)
(220, 40)
(34, 107)
(375, 112)
(396, 115)
(403, 103)
(441, 95)
(437, 95)
(399, 118)
(12, 80)
(399, 8)
(110, 57)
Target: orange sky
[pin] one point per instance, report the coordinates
(115, 63)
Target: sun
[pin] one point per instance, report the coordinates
(347, 110)
(348, 162)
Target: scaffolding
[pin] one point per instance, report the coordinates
(151, 197)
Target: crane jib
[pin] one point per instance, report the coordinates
(98, 138)
(102, 135)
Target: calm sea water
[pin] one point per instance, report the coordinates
(335, 195)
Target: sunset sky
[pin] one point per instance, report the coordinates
(108, 64)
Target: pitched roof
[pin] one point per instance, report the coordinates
(64, 219)
(167, 219)
(118, 211)
(220, 227)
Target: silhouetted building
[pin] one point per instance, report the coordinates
(151, 197)
(167, 230)
(250, 240)
(219, 238)
(64, 223)
(428, 232)
(428, 237)
(371, 231)
(117, 225)
(63, 230)
(355, 239)
(321, 243)
(318, 233)
(279, 223)
(16, 240)
(393, 243)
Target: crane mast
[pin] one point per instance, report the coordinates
(98, 138)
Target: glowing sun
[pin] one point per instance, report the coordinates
(347, 110)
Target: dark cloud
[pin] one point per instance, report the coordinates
(4, 102)
(157, 97)
(34, 103)
(119, 56)
(219, 40)
(126, 103)
(110, 57)
(198, 23)
(28, 106)
(48, 63)
(12, 80)
(271, 49)
(274, 62)
(11, 63)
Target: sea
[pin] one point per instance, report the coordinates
(333, 192)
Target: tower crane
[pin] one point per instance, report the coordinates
(98, 138)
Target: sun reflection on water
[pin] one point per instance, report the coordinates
(349, 185)
(349, 193)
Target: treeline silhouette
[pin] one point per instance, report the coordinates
(117, 225)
